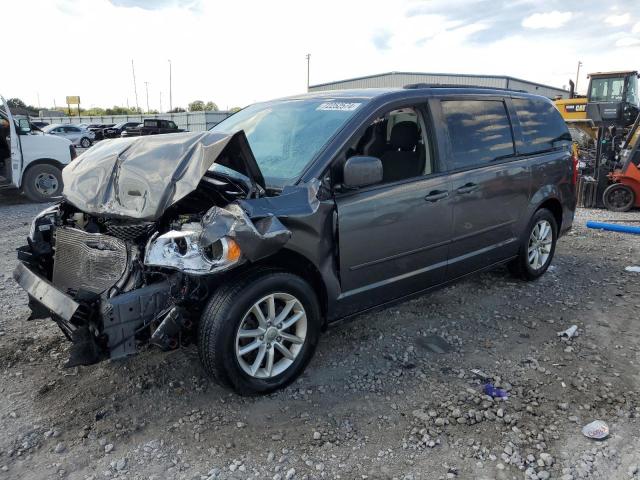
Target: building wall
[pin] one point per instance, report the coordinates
(190, 121)
(400, 79)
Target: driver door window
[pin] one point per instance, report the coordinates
(398, 138)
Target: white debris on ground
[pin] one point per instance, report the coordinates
(391, 395)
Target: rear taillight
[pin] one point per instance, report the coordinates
(72, 152)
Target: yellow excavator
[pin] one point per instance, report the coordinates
(600, 124)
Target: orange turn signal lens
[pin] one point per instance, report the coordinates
(233, 250)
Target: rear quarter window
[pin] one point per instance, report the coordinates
(479, 132)
(542, 126)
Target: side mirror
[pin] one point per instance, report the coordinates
(362, 171)
(24, 126)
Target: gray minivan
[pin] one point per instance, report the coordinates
(291, 214)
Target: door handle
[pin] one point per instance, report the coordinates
(436, 195)
(467, 188)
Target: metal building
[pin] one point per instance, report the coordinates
(400, 79)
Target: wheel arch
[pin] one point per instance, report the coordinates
(293, 262)
(555, 207)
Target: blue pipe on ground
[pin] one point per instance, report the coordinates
(613, 227)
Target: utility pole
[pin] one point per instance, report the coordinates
(135, 88)
(578, 75)
(170, 92)
(146, 87)
(160, 102)
(308, 57)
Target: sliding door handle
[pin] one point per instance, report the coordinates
(467, 188)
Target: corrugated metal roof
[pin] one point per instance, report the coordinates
(399, 79)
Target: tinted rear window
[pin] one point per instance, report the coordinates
(479, 131)
(543, 128)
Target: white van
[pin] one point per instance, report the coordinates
(31, 160)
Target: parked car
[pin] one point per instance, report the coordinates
(79, 136)
(39, 124)
(293, 214)
(98, 130)
(152, 126)
(115, 130)
(30, 160)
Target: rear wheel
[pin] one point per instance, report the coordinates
(257, 334)
(537, 246)
(618, 198)
(85, 142)
(42, 183)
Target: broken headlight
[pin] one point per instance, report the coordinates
(44, 221)
(186, 250)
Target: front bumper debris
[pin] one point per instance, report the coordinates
(43, 292)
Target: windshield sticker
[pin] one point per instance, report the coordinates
(338, 106)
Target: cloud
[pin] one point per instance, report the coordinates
(636, 28)
(554, 19)
(618, 20)
(155, 4)
(628, 42)
(381, 39)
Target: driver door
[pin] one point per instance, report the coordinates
(13, 166)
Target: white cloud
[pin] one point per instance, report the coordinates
(627, 42)
(554, 19)
(236, 53)
(636, 28)
(618, 20)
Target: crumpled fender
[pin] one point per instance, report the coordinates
(255, 224)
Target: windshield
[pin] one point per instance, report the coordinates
(607, 89)
(286, 135)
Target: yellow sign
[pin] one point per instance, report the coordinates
(74, 100)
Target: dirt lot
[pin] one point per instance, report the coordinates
(376, 402)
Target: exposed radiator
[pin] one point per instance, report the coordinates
(87, 261)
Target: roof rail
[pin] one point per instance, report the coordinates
(413, 86)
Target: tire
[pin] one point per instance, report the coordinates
(619, 198)
(523, 266)
(85, 142)
(232, 306)
(42, 183)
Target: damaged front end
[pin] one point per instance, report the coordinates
(147, 228)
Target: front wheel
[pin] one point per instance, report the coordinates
(618, 198)
(85, 142)
(258, 333)
(537, 246)
(42, 183)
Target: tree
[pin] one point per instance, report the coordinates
(16, 103)
(177, 110)
(196, 106)
(235, 109)
(211, 107)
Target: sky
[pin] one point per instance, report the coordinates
(241, 51)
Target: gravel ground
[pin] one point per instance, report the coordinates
(377, 402)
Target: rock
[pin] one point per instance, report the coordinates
(317, 435)
(59, 448)
(108, 448)
(547, 459)
(121, 464)
(290, 474)
(543, 475)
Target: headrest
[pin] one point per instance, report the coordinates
(404, 135)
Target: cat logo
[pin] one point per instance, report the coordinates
(575, 108)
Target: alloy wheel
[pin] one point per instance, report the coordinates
(540, 243)
(271, 335)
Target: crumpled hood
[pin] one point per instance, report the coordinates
(140, 177)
